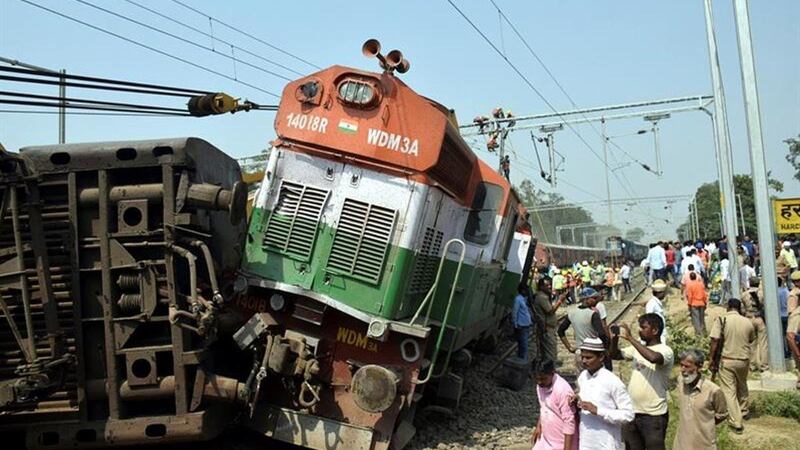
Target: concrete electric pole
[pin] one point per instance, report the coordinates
(766, 240)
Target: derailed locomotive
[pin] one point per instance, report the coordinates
(379, 247)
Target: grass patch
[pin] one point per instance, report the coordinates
(777, 404)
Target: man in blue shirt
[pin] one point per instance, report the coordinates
(783, 303)
(521, 318)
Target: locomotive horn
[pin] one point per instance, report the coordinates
(394, 58)
(396, 61)
(403, 66)
(372, 49)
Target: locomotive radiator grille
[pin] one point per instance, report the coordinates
(427, 260)
(293, 224)
(362, 237)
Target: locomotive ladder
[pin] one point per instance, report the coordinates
(429, 300)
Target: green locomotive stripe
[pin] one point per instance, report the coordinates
(480, 292)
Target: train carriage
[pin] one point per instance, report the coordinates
(369, 189)
(141, 309)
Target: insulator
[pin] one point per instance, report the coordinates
(130, 303)
(128, 282)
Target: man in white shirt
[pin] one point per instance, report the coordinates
(657, 259)
(649, 383)
(604, 403)
(625, 274)
(745, 273)
(725, 276)
(655, 305)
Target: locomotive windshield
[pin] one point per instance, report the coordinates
(481, 216)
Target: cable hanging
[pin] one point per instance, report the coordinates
(145, 46)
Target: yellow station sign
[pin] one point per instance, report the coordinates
(787, 215)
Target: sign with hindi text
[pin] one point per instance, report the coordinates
(787, 215)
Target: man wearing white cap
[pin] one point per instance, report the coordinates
(604, 403)
(655, 305)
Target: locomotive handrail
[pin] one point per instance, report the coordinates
(429, 297)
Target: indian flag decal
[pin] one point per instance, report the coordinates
(347, 126)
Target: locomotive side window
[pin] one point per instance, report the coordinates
(480, 222)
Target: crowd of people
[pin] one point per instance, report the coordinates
(600, 412)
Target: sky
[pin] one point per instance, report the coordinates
(601, 51)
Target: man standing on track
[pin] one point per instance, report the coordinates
(585, 321)
(737, 337)
(556, 428)
(521, 318)
(625, 274)
(544, 313)
(604, 403)
(649, 383)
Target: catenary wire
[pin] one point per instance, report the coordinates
(552, 76)
(87, 113)
(182, 39)
(145, 46)
(244, 33)
(211, 36)
(89, 107)
(153, 88)
(90, 101)
(541, 96)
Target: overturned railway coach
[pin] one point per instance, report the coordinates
(139, 307)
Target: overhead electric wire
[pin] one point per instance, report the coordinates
(182, 39)
(244, 33)
(80, 106)
(90, 86)
(555, 80)
(211, 36)
(188, 92)
(541, 96)
(90, 101)
(145, 46)
(528, 83)
(87, 113)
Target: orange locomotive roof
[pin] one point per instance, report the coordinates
(395, 128)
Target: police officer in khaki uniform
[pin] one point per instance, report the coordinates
(792, 333)
(754, 310)
(733, 363)
(794, 294)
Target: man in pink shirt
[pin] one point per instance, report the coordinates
(556, 428)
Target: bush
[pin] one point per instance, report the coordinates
(778, 404)
(681, 338)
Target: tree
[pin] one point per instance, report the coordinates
(544, 223)
(634, 234)
(794, 155)
(708, 207)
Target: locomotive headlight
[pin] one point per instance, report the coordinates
(277, 302)
(377, 330)
(374, 388)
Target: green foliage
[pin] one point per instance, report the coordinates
(708, 206)
(544, 224)
(682, 338)
(778, 404)
(794, 155)
(635, 234)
